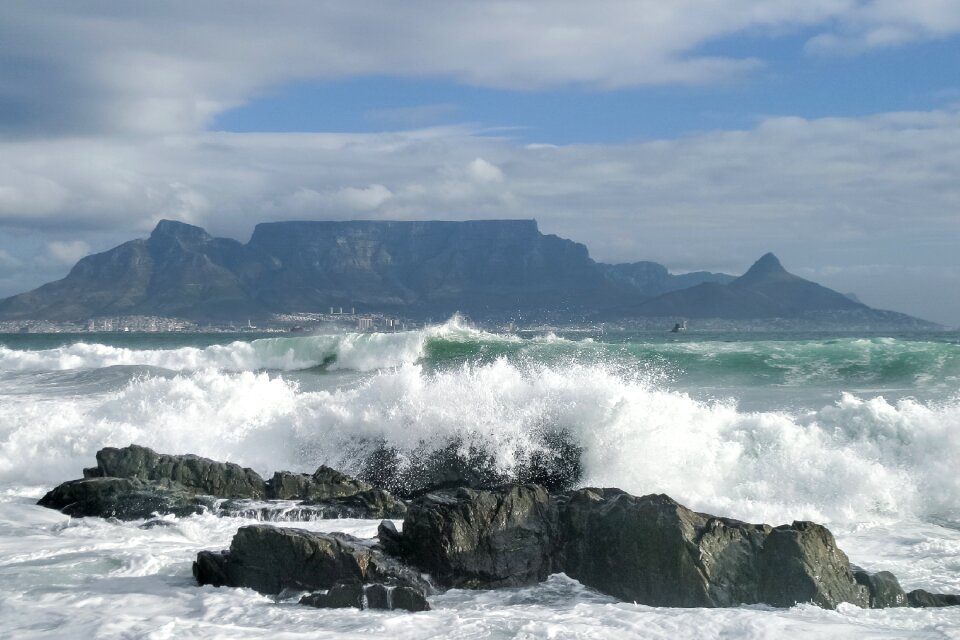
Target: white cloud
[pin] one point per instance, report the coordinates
(842, 191)
(484, 172)
(171, 67)
(67, 252)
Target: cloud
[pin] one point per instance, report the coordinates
(171, 67)
(67, 252)
(841, 191)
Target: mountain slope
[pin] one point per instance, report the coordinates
(766, 290)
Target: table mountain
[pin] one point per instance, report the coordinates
(494, 269)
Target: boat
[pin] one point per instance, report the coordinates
(679, 327)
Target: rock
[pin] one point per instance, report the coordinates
(481, 539)
(324, 483)
(122, 498)
(652, 550)
(339, 596)
(200, 475)
(373, 596)
(391, 540)
(923, 598)
(373, 504)
(555, 465)
(883, 587)
(271, 559)
(408, 598)
(802, 563)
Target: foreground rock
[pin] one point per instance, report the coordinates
(648, 549)
(272, 560)
(123, 498)
(481, 539)
(138, 483)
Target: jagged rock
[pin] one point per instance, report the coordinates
(201, 475)
(482, 539)
(271, 559)
(391, 540)
(372, 504)
(883, 587)
(923, 598)
(324, 483)
(802, 563)
(122, 498)
(652, 550)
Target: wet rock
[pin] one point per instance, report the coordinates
(555, 464)
(802, 563)
(373, 504)
(271, 559)
(339, 596)
(883, 587)
(481, 539)
(391, 540)
(324, 483)
(123, 498)
(372, 596)
(654, 551)
(923, 598)
(200, 475)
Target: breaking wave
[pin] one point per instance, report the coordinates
(855, 459)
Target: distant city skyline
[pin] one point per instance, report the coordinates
(698, 135)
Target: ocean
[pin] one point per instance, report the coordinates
(858, 432)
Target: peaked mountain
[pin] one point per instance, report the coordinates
(766, 290)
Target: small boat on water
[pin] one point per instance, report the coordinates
(679, 327)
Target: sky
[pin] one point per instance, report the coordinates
(697, 133)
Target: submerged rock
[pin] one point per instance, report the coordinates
(923, 598)
(480, 539)
(123, 498)
(883, 588)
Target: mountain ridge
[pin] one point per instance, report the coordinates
(486, 268)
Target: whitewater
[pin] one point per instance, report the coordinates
(858, 432)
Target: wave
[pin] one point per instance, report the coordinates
(855, 459)
(353, 351)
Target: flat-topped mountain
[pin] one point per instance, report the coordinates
(485, 268)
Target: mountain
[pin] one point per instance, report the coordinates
(653, 279)
(766, 290)
(489, 269)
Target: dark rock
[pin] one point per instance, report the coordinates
(324, 483)
(654, 551)
(883, 587)
(802, 563)
(482, 539)
(271, 559)
(923, 598)
(372, 504)
(122, 498)
(555, 464)
(373, 596)
(391, 540)
(200, 475)
(340, 596)
(408, 598)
